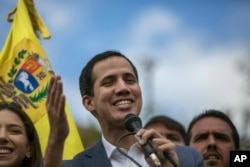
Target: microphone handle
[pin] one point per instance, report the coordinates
(148, 148)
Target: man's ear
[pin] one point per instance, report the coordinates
(88, 103)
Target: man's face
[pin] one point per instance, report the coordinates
(116, 91)
(212, 137)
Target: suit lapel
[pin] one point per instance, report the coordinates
(98, 156)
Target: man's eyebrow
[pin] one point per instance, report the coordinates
(173, 135)
(108, 76)
(222, 134)
(200, 134)
(130, 74)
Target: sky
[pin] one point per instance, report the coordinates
(195, 49)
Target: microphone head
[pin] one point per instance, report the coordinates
(132, 123)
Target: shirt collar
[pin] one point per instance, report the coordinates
(108, 147)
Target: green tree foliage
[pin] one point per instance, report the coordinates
(89, 135)
(245, 137)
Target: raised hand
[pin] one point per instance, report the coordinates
(59, 128)
(55, 105)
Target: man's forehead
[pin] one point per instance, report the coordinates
(110, 65)
(211, 124)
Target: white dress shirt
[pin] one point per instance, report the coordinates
(119, 160)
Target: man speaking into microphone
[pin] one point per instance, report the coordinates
(110, 91)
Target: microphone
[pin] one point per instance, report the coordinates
(133, 124)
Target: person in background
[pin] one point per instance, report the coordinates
(110, 90)
(19, 142)
(168, 127)
(213, 135)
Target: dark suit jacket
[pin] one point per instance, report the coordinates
(96, 157)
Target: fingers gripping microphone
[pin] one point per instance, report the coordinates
(134, 124)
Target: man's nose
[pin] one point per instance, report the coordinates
(122, 86)
(211, 142)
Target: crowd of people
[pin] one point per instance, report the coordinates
(110, 90)
(212, 133)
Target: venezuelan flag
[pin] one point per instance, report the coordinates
(25, 72)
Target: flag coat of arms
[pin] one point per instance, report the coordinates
(25, 72)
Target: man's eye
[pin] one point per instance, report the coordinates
(107, 82)
(199, 138)
(222, 138)
(174, 138)
(130, 80)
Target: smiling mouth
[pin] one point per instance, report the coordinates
(123, 102)
(5, 151)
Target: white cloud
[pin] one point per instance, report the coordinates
(152, 27)
(151, 21)
(61, 17)
(191, 74)
(202, 80)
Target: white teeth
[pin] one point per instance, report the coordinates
(123, 102)
(212, 157)
(3, 151)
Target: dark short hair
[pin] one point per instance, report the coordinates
(86, 81)
(216, 114)
(168, 123)
(36, 154)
